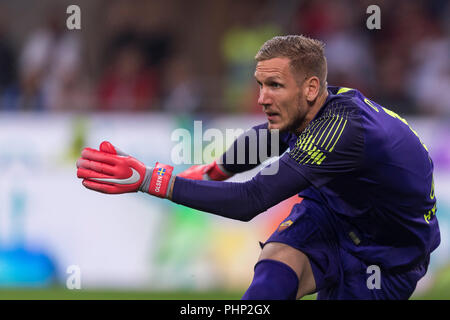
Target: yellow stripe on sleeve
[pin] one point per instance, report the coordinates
(344, 89)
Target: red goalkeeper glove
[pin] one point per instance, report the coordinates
(110, 170)
(210, 171)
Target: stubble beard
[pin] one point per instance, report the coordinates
(299, 123)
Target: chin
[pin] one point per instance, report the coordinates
(275, 126)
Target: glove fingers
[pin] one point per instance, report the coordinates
(100, 187)
(87, 173)
(107, 147)
(95, 166)
(194, 173)
(92, 154)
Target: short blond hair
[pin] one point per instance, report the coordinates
(307, 57)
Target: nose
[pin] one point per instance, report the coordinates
(264, 98)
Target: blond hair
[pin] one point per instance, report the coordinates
(306, 55)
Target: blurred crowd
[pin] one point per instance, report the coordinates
(197, 56)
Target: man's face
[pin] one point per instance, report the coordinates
(280, 95)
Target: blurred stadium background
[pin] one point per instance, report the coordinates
(136, 71)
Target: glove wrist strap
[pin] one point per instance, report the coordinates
(160, 180)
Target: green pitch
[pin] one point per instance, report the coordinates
(439, 291)
(64, 294)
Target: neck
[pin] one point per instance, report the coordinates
(313, 110)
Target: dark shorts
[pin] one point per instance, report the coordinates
(339, 274)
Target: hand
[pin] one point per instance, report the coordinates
(110, 170)
(210, 171)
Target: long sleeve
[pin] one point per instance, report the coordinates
(242, 201)
(252, 148)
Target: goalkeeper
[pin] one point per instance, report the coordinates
(365, 177)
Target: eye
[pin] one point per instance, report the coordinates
(275, 85)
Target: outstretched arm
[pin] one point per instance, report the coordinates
(244, 200)
(109, 170)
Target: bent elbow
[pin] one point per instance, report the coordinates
(248, 215)
(246, 218)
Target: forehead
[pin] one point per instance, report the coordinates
(275, 67)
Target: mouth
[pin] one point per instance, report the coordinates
(271, 116)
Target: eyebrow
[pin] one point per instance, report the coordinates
(270, 79)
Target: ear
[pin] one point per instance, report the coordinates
(311, 88)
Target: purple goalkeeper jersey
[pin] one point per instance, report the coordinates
(369, 167)
(362, 162)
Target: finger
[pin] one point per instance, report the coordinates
(92, 154)
(107, 147)
(193, 173)
(87, 173)
(99, 167)
(100, 187)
